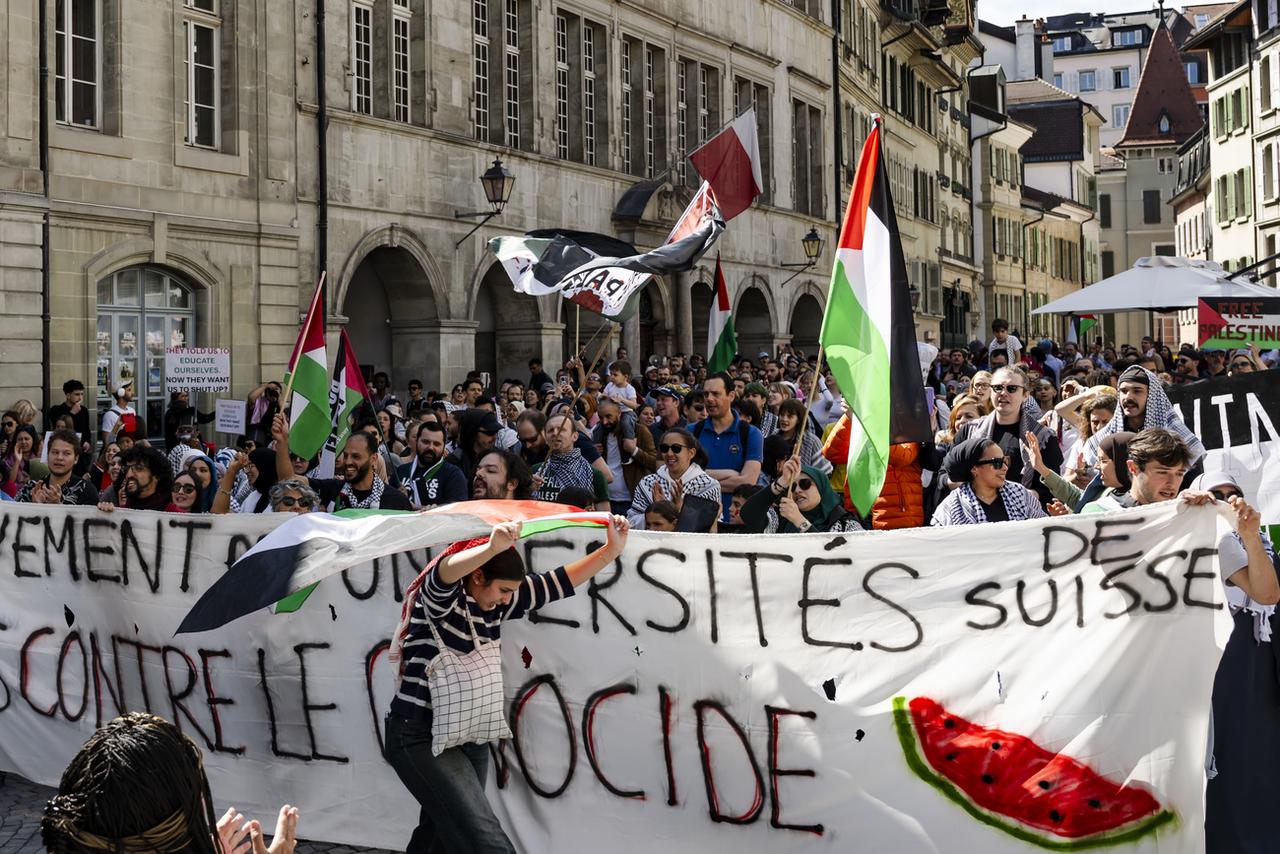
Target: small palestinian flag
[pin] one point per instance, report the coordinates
(722, 343)
(308, 381)
(313, 546)
(1080, 326)
(347, 390)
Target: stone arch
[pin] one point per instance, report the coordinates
(754, 316)
(806, 323)
(392, 294)
(800, 288)
(395, 236)
(701, 293)
(193, 265)
(509, 326)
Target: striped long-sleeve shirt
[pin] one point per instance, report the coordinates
(447, 606)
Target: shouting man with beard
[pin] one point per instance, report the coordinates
(502, 475)
(1143, 405)
(429, 478)
(357, 486)
(147, 479)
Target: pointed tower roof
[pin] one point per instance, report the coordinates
(1164, 110)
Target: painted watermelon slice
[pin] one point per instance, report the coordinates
(1009, 782)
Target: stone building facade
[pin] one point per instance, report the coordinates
(187, 205)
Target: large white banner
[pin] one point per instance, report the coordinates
(1052, 680)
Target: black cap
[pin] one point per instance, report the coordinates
(489, 423)
(1135, 374)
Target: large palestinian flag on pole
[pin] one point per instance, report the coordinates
(310, 547)
(868, 332)
(308, 380)
(347, 391)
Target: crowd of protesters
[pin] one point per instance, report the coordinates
(1019, 433)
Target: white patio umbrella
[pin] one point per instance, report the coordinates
(1159, 283)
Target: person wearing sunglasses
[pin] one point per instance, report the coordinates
(680, 473)
(1013, 416)
(1244, 362)
(802, 501)
(293, 496)
(985, 494)
(185, 495)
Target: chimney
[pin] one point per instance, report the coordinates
(1025, 46)
(1046, 51)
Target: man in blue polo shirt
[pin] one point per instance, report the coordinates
(734, 448)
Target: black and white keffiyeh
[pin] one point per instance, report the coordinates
(565, 471)
(962, 506)
(694, 481)
(347, 497)
(1160, 413)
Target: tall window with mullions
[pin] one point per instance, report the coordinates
(588, 94)
(78, 62)
(401, 66)
(562, 87)
(511, 71)
(362, 58)
(480, 77)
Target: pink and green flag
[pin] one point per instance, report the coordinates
(868, 331)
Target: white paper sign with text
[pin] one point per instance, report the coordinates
(197, 369)
(705, 692)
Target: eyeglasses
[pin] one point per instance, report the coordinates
(183, 488)
(997, 464)
(804, 483)
(289, 501)
(1225, 494)
(528, 440)
(1242, 365)
(673, 449)
(137, 468)
(999, 388)
(9, 425)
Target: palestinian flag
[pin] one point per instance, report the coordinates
(868, 332)
(313, 546)
(347, 391)
(308, 379)
(722, 343)
(1080, 326)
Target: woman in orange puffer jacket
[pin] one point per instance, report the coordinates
(901, 501)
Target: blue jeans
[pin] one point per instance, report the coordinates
(455, 814)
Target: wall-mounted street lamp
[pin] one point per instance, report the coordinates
(812, 245)
(915, 298)
(497, 182)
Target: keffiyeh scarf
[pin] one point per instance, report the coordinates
(347, 498)
(1238, 601)
(564, 471)
(966, 509)
(1160, 413)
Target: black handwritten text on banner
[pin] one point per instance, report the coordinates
(705, 690)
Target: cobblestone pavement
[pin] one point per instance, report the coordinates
(22, 802)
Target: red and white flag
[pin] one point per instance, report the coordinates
(730, 163)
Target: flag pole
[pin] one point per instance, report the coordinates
(808, 407)
(288, 388)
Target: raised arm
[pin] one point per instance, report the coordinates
(280, 432)
(583, 568)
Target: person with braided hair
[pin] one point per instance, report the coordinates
(138, 786)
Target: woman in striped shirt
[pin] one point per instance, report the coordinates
(462, 600)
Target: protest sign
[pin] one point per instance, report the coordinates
(705, 691)
(197, 369)
(1237, 418)
(1227, 324)
(230, 417)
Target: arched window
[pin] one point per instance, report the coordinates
(141, 311)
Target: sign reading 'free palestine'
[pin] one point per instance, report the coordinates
(1226, 324)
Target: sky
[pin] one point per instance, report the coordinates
(1005, 12)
